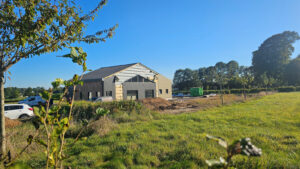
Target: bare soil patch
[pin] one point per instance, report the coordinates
(181, 105)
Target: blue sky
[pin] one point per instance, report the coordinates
(166, 35)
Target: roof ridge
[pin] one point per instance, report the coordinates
(119, 65)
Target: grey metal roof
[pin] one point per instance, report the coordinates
(104, 72)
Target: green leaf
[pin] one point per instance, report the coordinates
(57, 83)
(102, 112)
(45, 95)
(74, 52)
(80, 50)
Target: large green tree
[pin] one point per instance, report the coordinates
(292, 72)
(35, 27)
(273, 55)
(184, 79)
(28, 92)
(232, 69)
(221, 77)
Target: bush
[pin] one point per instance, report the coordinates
(87, 109)
(287, 89)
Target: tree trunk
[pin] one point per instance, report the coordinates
(2, 120)
(222, 99)
(245, 94)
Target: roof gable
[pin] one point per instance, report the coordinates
(105, 71)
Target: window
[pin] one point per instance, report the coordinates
(160, 91)
(132, 95)
(12, 107)
(167, 91)
(149, 93)
(97, 94)
(138, 78)
(80, 95)
(90, 95)
(108, 93)
(135, 79)
(147, 80)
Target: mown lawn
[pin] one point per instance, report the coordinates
(177, 141)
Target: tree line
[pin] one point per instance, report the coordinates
(14, 92)
(272, 66)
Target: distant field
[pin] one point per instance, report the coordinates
(176, 141)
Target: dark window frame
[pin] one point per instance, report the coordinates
(147, 94)
(108, 93)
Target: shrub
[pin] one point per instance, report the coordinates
(87, 109)
(287, 89)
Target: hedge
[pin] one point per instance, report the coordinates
(287, 89)
(254, 90)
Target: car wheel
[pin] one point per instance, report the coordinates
(24, 117)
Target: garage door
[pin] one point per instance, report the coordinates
(132, 95)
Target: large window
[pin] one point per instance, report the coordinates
(98, 94)
(108, 93)
(132, 95)
(90, 95)
(160, 91)
(138, 78)
(167, 91)
(80, 95)
(149, 93)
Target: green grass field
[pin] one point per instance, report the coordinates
(177, 141)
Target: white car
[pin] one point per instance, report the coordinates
(18, 111)
(33, 101)
(104, 99)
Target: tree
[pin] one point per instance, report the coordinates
(15, 93)
(210, 75)
(201, 75)
(266, 81)
(292, 72)
(184, 79)
(35, 27)
(232, 68)
(272, 56)
(221, 76)
(246, 76)
(12, 92)
(28, 92)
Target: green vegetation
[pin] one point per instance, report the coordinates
(33, 28)
(254, 90)
(272, 66)
(178, 141)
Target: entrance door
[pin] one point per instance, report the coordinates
(132, 95)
